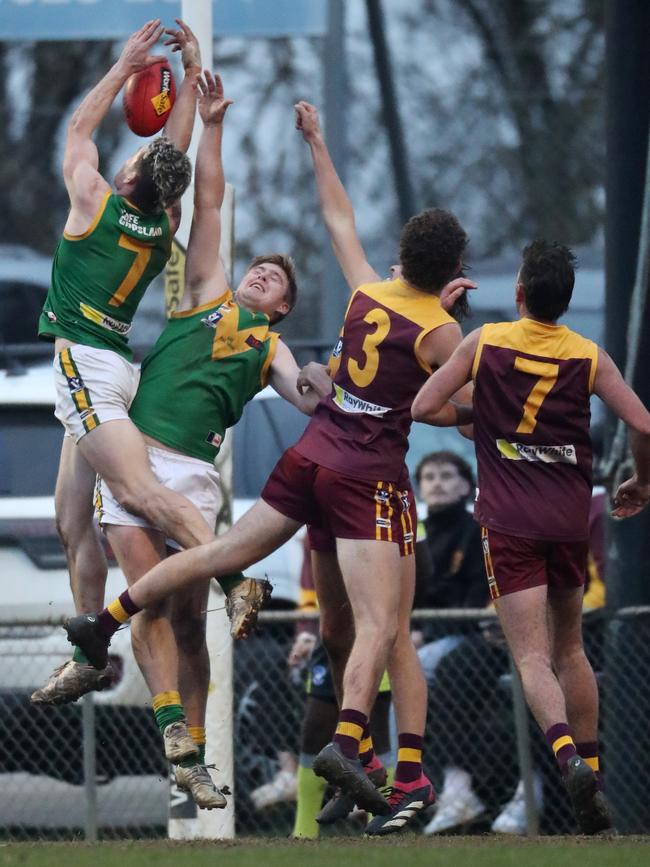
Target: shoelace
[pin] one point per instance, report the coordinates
(199, 769)
(394, 795)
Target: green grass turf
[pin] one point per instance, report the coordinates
(402, 851)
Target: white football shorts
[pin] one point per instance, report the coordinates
(195, 479)
(92, 386)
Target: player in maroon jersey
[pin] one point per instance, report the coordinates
(532, 383)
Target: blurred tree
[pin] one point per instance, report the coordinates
(501, 101)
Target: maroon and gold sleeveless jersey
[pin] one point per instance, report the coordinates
(361, 429)
(531, 429)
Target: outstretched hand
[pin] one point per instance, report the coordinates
(135, 54)
(631, 498)
(307, 120)
(453, 290)
(185, 41)
(212, 103)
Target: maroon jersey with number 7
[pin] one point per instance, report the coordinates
(531, 428)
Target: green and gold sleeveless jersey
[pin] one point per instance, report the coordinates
(99, 278)
(206, 365)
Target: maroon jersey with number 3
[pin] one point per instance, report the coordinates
(531, 428)
(361, 429)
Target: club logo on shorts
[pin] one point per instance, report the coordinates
(51, 316)
(254, 343)
(406, 503)
(382, 497)
(214, 439)
(75, 384)
(382, 522)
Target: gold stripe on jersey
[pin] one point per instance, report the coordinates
(203, 308)
(93, 225)
(538, 338)
(423, 308)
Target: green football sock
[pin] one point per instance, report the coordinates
(228, 582)
(80, 657)
(310, 797)
(167, 708)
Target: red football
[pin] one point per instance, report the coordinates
(148, 98)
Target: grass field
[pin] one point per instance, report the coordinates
(407, 851)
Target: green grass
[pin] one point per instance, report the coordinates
(403, 851)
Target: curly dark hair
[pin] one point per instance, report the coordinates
(547, 276)
(163, 174)
(431, 248)
(288, 266)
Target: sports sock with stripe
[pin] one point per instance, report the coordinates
(588, 750)
(366, 747)
(117, 613)
(167, 708)
(409, 758)
(560, 740)
(197, 733)
(349, 731)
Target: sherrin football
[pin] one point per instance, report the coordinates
(148, 98)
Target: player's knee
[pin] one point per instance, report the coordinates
(533, 662)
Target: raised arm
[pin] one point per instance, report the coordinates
(86, 187)
(284, 379)
(180, 123)
(205, 277)
(433, 404)
(336, 207)
(634, 494)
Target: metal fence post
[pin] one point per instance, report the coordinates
(522, 733)
(90, 766)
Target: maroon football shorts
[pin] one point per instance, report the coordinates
(513, 563)
(340, 507)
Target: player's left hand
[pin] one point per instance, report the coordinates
(185, 41)
(453, 290)
(631, 498)
(212, 103)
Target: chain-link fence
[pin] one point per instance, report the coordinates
(97, 767)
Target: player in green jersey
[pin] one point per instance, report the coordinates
(112, 247)
(215, 354)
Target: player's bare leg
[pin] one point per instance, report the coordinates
(336, 621)
(257, 533)
(570, 662)
(188, 617)
(73, 502)
(117, 452)
(524, 618)
(337, 635)
(137, 550)
(412, 791)
(408, 684)
(87, 566)
(370, 570)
